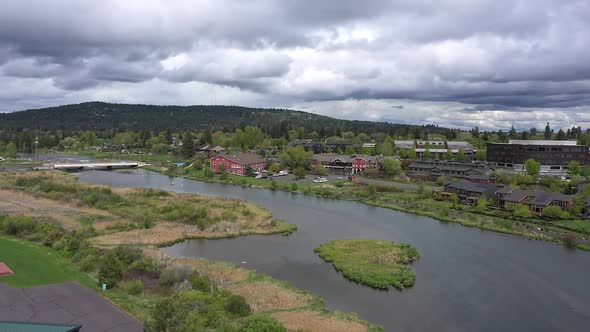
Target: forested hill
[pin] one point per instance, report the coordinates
(121, 117)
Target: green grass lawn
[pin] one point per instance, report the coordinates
(34, 265)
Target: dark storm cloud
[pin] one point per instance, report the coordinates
(512, 55)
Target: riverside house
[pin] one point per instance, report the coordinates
(536, 200)
(347, 165)
(339, 164)
(456, 169)
(468, 192)
(362, 163)
(237, 163)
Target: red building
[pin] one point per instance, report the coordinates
(360, 164)
(237, 163)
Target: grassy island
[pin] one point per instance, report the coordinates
(375, 263)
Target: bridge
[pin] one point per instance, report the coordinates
(95, 166)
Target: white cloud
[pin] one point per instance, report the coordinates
(523, 61)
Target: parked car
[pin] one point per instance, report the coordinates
(320, 180)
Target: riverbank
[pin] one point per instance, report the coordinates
(111, 218)
(573, 233)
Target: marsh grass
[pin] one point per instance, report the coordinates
(379, 264)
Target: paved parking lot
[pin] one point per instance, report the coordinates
(65, 303)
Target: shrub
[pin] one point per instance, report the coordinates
(261, 323)
(274, 185)
(553, 212)
(133, 287)
(237, 305)
(18, 226)
(144, 265)
(570, 239)
(201, 283)
(300, 172)
(128, 254)
(505, 223)
(183, 272)
(88, 264)
(53, 236)
(522, 211)
(294, 186)
(110, 271)
(208, 173)
(169, 277)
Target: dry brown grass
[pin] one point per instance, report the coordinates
(14, 202)
(168, 232)
(312, 321)
(265, 296)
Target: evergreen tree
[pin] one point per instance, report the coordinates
(547, 131)
(188, 145)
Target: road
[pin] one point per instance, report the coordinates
(332, 178)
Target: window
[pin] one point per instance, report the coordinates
(214, 163)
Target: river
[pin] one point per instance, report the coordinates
(467, 279)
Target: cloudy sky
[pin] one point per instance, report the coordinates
(459, 63)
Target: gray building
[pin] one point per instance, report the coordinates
(553, 155)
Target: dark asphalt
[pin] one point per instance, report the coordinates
(65, 303)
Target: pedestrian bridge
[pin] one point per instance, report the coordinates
(95, 166)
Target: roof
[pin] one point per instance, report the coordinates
(466, 185)
(436, 150)
(459, 167)
(243, 158)
(332, 157)
(478, 177)
(461, 144)
(301, 141)
(541, 142)
(36, 327)
(216, 148)
(504, 190)
(538, 197)
(545, 198)
(5, 270)
(517, 195)
(367, 158)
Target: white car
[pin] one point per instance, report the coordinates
(320, 180)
